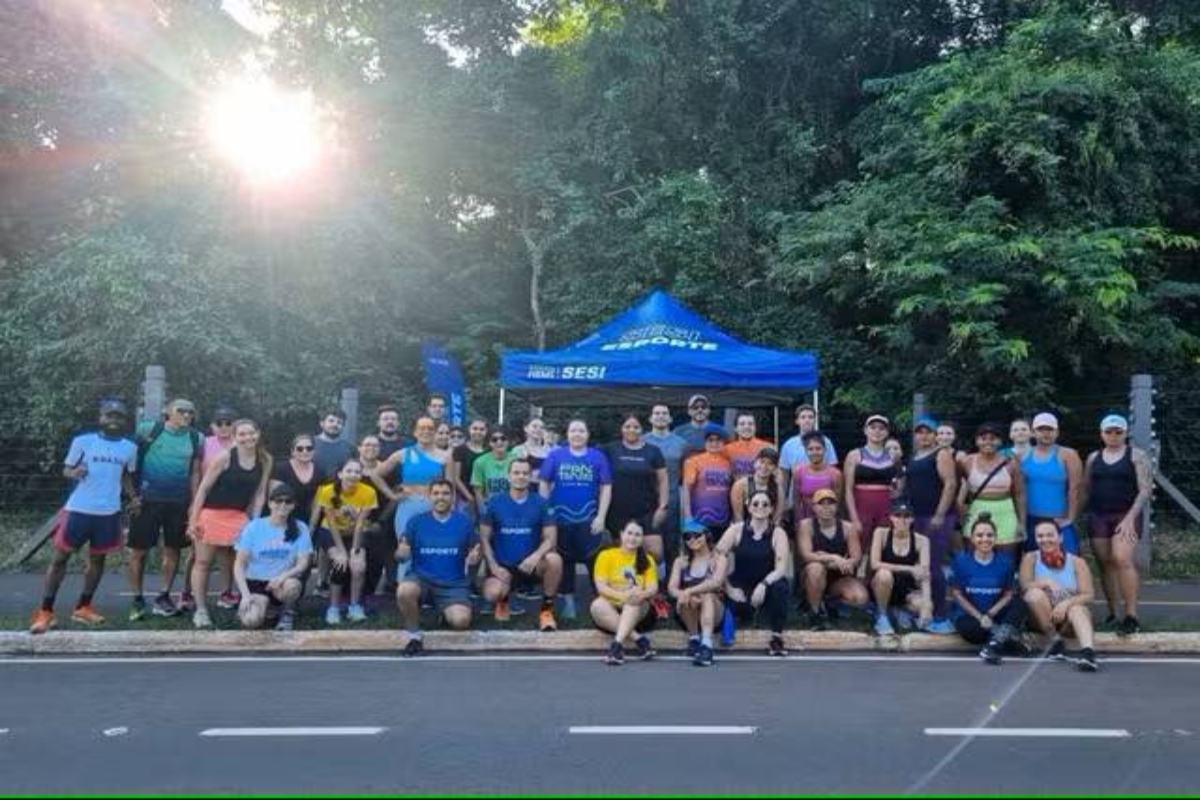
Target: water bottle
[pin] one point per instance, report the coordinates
(728, 628)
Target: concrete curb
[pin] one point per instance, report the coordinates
(160, 643)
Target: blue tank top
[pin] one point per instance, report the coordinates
(924, 483)
(1045, 484)
(1064, 577)
(418, 467)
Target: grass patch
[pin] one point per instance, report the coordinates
(1176, 553)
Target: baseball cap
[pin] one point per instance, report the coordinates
(925, 422)
(824, 493)
(901, 506)
(1045, 420)
(769, 453)
(113, 405)
(713, 432)
(698, 398)
(993, 428)
(225, 412)
(182, 404)
(878, 418)
(1114, 421)
(693, 526)
(282, 492)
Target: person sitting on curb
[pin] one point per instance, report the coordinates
(988, 611)
(626, 579)
(758, 575)
(1058, 592)
(830, 551)
(273, 554)
(696, 583)
(900, 579)
(519, 537)
(435, 551)
(345, 504)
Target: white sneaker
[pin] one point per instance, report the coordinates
(333, 616)
(356, 613)
(201, 619)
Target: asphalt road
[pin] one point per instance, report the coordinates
(504, 724)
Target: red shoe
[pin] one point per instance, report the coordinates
(546, 621)
(86, 615)
(662, 609)
(42, 621)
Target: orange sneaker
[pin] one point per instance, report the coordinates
(546, 621)
(86, 615)
(41, 621)
(503, 612)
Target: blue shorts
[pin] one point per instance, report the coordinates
(440, 595)
(101, 532)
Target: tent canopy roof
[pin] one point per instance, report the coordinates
(658, 351)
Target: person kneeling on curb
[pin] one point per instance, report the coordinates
(518, 535)
(272, 554)
(626, 580)
(441, 545)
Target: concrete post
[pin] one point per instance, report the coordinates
(154, 392)
(349, 406)
(1141, 425)
(920, 409)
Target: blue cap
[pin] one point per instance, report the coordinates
(925, 422)
(693, 526)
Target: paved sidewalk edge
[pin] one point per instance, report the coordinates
(162, 643)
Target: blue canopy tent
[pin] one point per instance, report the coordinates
(658, 351)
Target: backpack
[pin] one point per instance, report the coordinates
(144, 443)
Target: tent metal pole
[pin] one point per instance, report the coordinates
(500, 415)
(776, 410)
(817, 407)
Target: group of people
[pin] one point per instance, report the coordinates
(688, 521)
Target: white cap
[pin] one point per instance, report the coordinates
(1114, 421)
(1045, 420)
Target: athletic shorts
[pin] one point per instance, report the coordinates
(520, 581)
(101, 532)
(156, 517)
(1004, 517)
(260, 587)
(440, 595)
(1104, 526)
(219, 527)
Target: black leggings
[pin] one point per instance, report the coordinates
(775, 604)
(1013, 615)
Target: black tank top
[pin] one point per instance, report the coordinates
(1113, 486)
(909, 559)
(235, 487)
(835, 545)
(752, 560)
(924, 484)
(868, 474)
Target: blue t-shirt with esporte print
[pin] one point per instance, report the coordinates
(516, 525)
(983, 583)
(440, 546)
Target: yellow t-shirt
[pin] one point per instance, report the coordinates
(617, 567)
(341, 520)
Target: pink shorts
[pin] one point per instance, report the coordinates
(220, 527)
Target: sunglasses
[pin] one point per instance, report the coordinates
(222, 423)
(303, 448)
(1113, 431)
(187, 411)
(287, 501)
(691, 537)
(827, 502)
